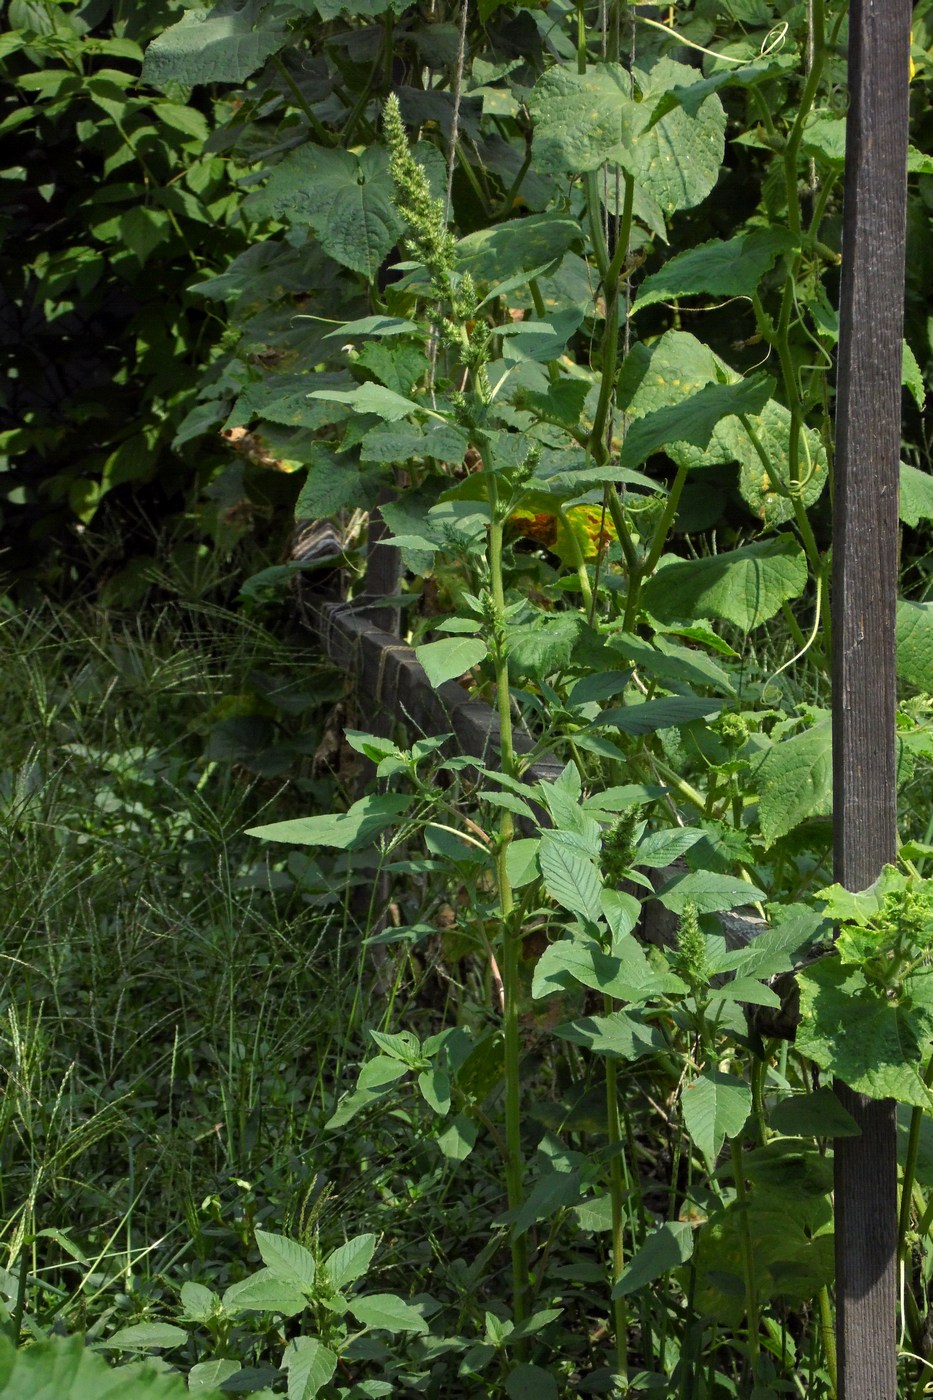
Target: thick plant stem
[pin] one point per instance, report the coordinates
(828, 1334)
(511, 940)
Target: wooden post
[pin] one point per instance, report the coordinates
(865, 548)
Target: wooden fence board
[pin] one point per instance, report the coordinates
(865, 541)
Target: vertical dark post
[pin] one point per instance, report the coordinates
(868, 418)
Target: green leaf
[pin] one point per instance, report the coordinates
(369, 398)
(693, 419)
(874, 1045)
(346, 199)
(710, 892)
(660, 848)
(434, 1085)
(309, 1364)
(670, 1245)
(581, 119)
(528, 1382)
(264, 1292)
(142, 230)
(916, 495)
(731, 268)
(345, 831)
(59, 1368)
(213, 46)
(715, 1106)
(794, 781)
(744, 586)
(625, 974)
(457, 1142)
(505, 250)
(376, 1078)
(349, 1261)
(912, 377)
(332, 484)
(388, 1313)
(570, 879)
(657, 714)
(451, 658)
(210, 1375)
(198, 1301)
(553, 1191)
(620, 1034)
(287, 1260)
(143, 1335)
(914, 635)
(677, 159)
(400, 442)
(817, 1114)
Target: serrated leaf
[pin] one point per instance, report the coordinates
(331, 485)
(914, 635)
(669, 1246)
(347, 199)
(676, 159)
(449, 659)
(581, 119)
(388, 1313)
(916, 495)
(350, 1261)
(309, 1364)
(794, 781)
(287, 1259)
(874, 1045)
(213, 46)
(722, 267)
(692, 420)
(345, 831)
(715, 1106)
(570, 879)
(744, 586)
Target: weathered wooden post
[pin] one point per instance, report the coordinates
(865, 540)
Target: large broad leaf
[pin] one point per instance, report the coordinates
(667, 1247)
(744, 586)
(723, 267)
(657, 714)
(264, 1292)
(625, 974)
(60, 1368)
(222, 45)
(144, 1336)
(345, 198)
(709, 892)
(498, 253)
(715, 1106)
(621, 1035)
(287, 1259)
(677, 159)
(387, 1312)
(582, 119)
(795, 780)
(451, 658)
(852, 1030)
(914, 633)
(310, 1365)
(693, 420)
(345, 831)
(349, 1261)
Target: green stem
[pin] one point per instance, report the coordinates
(748, 1256)
(315, 123)
(617, 1195)
(828, 1335)
(511, 939)
(910, 1169)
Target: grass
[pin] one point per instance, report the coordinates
(172, 1003)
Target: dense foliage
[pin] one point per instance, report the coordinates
(555, 287)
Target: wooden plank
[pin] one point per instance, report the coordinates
(865, 542)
